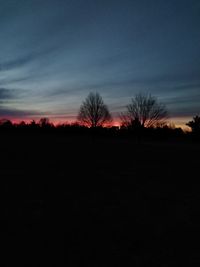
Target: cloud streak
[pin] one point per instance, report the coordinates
(19, 114)
(7, 94)
(52, 55)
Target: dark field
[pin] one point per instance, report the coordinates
(73, 201)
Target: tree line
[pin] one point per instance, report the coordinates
(144, 111)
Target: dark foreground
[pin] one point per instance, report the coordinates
(76, 201)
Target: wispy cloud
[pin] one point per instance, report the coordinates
(15, 113)
(7, 93)
(52, 55)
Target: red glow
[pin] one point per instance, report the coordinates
(178, 122)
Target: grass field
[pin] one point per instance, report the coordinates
(73, 201)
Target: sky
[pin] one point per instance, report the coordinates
(54, 52)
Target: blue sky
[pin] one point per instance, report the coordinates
(54, 52)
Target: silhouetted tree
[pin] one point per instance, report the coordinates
(194, 124)
(44, 122)
(22, 124)
(144, 111)
(5, 123)
(93, 112)
(33, 123)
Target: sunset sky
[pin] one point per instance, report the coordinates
(54, 52)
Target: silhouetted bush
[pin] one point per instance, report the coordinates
(195, 125)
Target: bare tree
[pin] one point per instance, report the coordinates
(144, 111)
(93, 112)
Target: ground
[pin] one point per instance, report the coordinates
(77, 200)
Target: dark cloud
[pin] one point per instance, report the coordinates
(10, 95)
(16, 113)
(184, 111)
(25, 59)
(7, 94)
(13, 80)
(184, 105)
(15, 63)
(187, 99)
